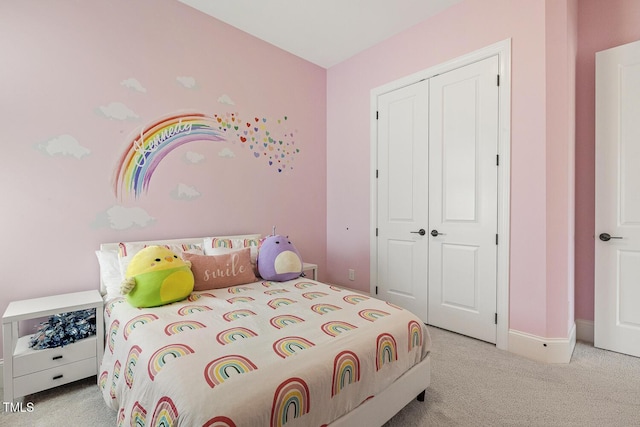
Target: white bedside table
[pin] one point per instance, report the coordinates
(28, 370)
(313, 267)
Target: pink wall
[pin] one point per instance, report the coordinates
(544, 44)
(561, 46)
(63, 64)
(602, 25)
(552, 185)
(63, 61)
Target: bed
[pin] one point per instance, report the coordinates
(265, 353)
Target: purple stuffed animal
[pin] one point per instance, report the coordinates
(278, 259)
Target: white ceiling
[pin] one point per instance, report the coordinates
(325, 32)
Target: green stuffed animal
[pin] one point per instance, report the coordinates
(157, 276)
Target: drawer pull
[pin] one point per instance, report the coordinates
(56, 357)
(57, 377)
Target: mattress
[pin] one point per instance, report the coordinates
(296, 353)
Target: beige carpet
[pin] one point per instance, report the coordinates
(472, 384)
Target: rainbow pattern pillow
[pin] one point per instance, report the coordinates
(211, 244)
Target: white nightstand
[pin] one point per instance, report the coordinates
(27, 370)
(313, 267)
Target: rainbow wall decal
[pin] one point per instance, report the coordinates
(181, 326)
(415, 334)
(138, 415)
(148, 147)
(165, 413)
(387, 351)
(292, 393)
(372, 314)
(165, 354)
(130, 365)
(138, 321)
(237, 314)
(220, 370)
(346, 370)
(220, 421)
(280, 322)
(234, 334)
(335, 328)
(288, 346)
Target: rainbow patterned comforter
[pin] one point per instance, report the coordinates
(300, 353)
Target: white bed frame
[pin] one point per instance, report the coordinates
(373, 412)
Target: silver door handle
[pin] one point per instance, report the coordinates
(421, 232)
(436, 233)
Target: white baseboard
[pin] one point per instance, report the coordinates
(584, 330)
(548, 350)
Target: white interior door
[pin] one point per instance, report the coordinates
(617, 222)
(402, 208)
(463, 205)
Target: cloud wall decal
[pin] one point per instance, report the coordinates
(118, 111)
(64, 145)
(134, 84)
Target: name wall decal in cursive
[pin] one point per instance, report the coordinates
(265, 139)
(158, 138)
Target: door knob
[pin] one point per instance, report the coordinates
(605, 237)
(435, 233)
(421, 232)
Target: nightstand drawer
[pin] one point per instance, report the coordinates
(26, 370)
(28, 361)
(54, 377)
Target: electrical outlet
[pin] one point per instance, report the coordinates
(352, 274)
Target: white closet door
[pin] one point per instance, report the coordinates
(402, 208)
(463, 180)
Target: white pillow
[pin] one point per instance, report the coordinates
(110, 275)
